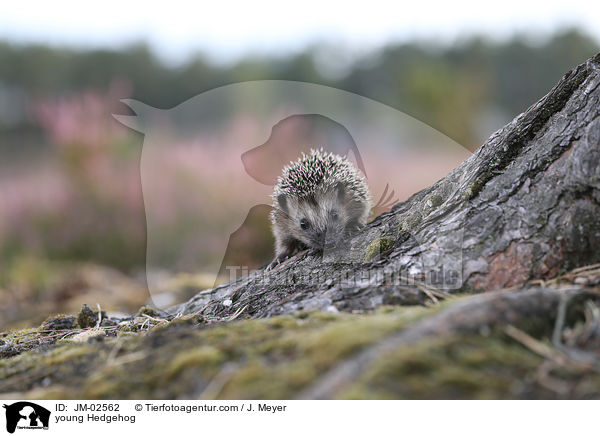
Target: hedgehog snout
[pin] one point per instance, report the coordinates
(331, 238)
(320, 237)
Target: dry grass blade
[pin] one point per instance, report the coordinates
(534, 345)
(99, 315)
(586, 268)
(59, 334)
(429, 294)
(434, 294)
(237, 313)
(154, 319)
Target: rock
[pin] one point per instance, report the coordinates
(88, 336)
(8, 349)
(59, 322)
(88, 318)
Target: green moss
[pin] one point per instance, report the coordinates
(377, 246)
(250, 382)
(147, 310)
(67, 353)
(107, 383)
(55, 392)
(21, 336)
(456, 366)
(410, 223)
(196, 357)
(338, 340)
(128, 328)
(475, 187)
(87, 317)
(272, 357)
(434, 200)
(279, 357)
(431, 203)
(185, 320)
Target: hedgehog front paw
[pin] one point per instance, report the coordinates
(277, 261)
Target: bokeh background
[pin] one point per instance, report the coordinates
(72, 224)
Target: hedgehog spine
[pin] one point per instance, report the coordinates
(318, 201)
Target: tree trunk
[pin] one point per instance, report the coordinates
(524, 206)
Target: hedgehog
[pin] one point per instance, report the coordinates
(319, 200)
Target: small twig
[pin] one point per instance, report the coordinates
(585, 268)
(429, 294)
(574, 354)
(584, 271)
(560, 321)
(154, 319)
(563, 357)
(432, 293)
(237, 313)
(534, 345)
(201, 311)
(99, 315)
(61, 334)
(68, 334)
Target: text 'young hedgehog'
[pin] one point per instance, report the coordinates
(318, 201)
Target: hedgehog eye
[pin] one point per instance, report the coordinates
(334, 215)
(304, 224)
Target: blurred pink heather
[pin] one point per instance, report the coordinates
(85, 201)
(83, 120)
(38, 193)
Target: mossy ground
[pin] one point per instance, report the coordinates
(271, 358)
(470, 367)
(277, 358)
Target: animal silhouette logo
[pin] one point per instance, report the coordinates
(26, 415)
(207, 185)
(294, 135)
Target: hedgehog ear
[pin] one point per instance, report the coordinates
(282, 200)
(340, 189)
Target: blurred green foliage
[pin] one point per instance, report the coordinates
(465, 90)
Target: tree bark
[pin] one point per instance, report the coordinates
(524, 206)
